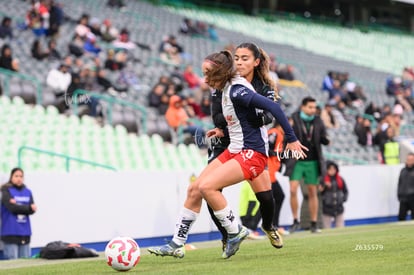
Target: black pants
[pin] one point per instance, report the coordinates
(406, 204)
(251, 221)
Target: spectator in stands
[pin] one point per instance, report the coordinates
(17, 205)
(373, 110)
(56, 18)
(177, 117)
(170, 51)
(311, 132)
(327, 83)
(334, 193)
(187, 27)
(95, 26)
(406, 189)
(82, 29)
(6, 59)
(79, 81)
(33, 20)
(90, 45)
(76, 46)
(354, 95)
(212, 32)
(115, 61)
(191, 78)
(158, 98)
(363, 131)
(123, 41)
(37, 50)
(393, 86)
(194, 106)
(328, 117)
(6, 30)
(59, 79)
(108, 32)
(53, 52)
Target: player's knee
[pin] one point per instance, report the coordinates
(193, 190)
(204, 188)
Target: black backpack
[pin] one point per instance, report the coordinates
(63, 250)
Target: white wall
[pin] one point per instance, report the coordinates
(90, 207)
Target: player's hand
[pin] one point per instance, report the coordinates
(297, 149)
(216, 132)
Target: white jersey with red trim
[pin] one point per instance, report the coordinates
(235, 101)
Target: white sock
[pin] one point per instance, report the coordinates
(185, 221)
(227, 220)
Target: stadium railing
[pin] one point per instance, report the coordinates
(9, 74)
(54, 154)
(111, 101)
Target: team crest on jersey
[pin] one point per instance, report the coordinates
(240, 91)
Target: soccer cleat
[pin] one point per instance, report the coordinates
(170, 249)
(274, 237)
(233, 244)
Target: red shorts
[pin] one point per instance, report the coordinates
(251, 162)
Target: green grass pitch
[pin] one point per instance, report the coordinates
(374, 249)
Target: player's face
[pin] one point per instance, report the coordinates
(206, 68)
(245, 62)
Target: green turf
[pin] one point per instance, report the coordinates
(331, 252)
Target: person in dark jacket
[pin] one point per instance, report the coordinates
(311, 132)
(334, 193)
(406, 189)
(16, 206)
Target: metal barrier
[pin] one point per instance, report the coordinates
(9, 74)
(68, 158)
(111, 101)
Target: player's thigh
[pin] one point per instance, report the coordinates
(261, 183)
(226, 174)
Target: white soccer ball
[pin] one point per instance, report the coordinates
(122, 253)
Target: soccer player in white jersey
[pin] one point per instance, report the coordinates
(244, 159)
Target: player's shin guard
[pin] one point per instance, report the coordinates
(185, 221)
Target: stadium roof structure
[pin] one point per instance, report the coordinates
(405, 1)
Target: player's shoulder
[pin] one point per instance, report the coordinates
(239, 91)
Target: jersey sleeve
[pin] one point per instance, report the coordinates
(261, 102)
(241, 95)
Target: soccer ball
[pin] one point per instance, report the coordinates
(122, 253)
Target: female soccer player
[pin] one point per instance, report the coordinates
(245, 157)
(251, 63)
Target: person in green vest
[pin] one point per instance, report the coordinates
(390, 148)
